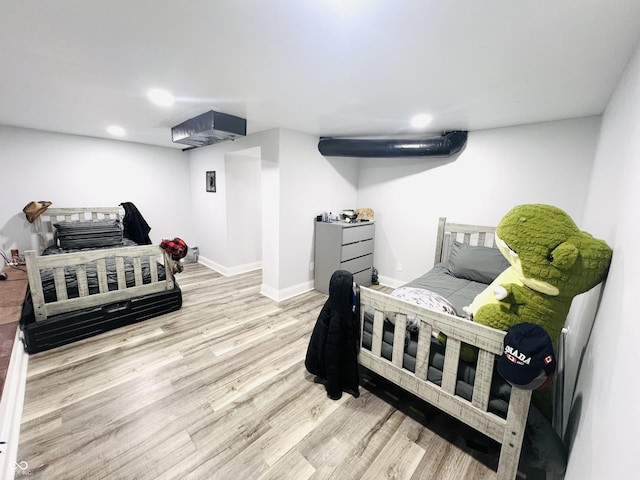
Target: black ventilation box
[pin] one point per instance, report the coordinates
(209, 128)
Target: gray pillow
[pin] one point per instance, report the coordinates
(477, 263)
(103, 233)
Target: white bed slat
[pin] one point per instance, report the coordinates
(450, 241)
(60, 283)
(153, 269)
(450, 370)
(81, 276)
(514, 433)
(169, 276)
(424, 347)
(103, 282)
(481, 238)
(399, 333)
(440, 247)
(482, 384)
(35, 284)
(122, 280)
(376, 335)
(137, 271)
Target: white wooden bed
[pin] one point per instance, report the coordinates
(508, 432)
(82, 260)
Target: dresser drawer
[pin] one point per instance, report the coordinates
(354, 250)
(363, 278)
(357, 234)
(357, 264)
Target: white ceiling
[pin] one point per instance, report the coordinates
(326, 67)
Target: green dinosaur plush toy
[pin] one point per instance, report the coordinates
(551, 260)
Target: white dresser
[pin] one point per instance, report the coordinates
(343, 246)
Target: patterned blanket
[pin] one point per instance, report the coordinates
(423, 298)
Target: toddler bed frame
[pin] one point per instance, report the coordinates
(117, 307)
(508, 432)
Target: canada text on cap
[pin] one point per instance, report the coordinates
(528, 360)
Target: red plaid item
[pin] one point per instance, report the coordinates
(177, 248)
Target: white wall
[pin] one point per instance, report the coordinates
(213, 212)
(297, 183)
(243, 189)
(309, 184)
(498, 169)
(74, 171)
(605, 418)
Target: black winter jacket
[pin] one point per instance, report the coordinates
(134, 225)
(332, 354)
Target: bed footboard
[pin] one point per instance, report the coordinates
(79, 262)
(508, 432)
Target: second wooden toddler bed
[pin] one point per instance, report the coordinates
(399, 343)
(93, 281)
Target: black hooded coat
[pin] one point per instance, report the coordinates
(332, 354)
(134, 225)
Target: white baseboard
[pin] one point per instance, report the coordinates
(287, 293)
(273, 294)
(229, 271)
(390, 282)
(11, 410)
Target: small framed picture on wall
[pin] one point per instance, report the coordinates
(211, 181)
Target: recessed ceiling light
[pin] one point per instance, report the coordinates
(160, 97)
(116, 131)
(421, 120)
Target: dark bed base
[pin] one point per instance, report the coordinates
(74, 326)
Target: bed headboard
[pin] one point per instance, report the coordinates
(463, 233)
(44, 223)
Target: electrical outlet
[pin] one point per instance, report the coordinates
(311, 266)
(399, 267)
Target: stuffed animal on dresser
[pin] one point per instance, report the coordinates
(551, 261)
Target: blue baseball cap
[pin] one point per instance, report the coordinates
(528, 359)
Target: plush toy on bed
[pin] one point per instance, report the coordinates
(551, 260)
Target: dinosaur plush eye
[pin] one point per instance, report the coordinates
(564, 256)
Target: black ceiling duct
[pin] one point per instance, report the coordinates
(449, 143)
(209, 128)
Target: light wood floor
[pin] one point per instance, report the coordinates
(218, 390)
